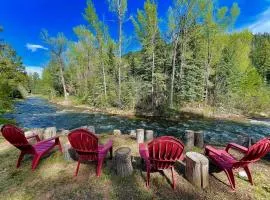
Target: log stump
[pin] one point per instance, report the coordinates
(189, 139)
(149, 135)
(122, 162)
(197, 169)
(116, 132)
(132, 133)
(89, 128)
(49, 133)
(69, 153)
(140, 135)
(199, 139)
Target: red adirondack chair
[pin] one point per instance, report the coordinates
(86, 145)
(16, 137)
(160, 154)
(227, 162)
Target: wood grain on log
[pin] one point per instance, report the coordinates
(89, 128)
(199, 139)
(116, 132)
(132, 133)
(122, 162)
(149, 135)
(49, 132)
(69, 153)
(197, 167)
(189, 139)
(140, 135)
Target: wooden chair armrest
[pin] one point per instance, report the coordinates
(106, 146)
(236, 147)
(53, 138)
(210, 148)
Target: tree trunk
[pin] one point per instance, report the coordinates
(173, 72)
(207, 67)
(120, 54)
(153, 71)
(104, 81)
(63, 79)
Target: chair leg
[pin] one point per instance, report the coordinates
(173, 181)
(148, 176)
(99, 166)
(230, 176)
(248, 174)
(77, 169)
(111, 153)
(57, 142)
(20, 159)
(35, 162)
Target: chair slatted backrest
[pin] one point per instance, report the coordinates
(84, 142)
(257, 151)
(164, 151)
(16, 137)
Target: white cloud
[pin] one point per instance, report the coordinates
(32, 69)
(35, 47)
(262, 24)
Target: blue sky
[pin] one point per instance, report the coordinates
(23, 21)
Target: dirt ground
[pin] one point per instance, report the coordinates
(54, 179)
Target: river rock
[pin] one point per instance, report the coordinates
(49, 133)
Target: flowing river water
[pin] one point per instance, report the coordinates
(39, 113)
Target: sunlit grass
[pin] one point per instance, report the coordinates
(54, 179)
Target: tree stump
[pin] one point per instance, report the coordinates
(116, 132)
(140, 135)
(89, 128)
(197, 167)
(132, 133)
(149, 135)
(39, 131)
(64, 132)
(122, 162)
(49, 132)
(189, 139)
(199, 139)
(69, 153)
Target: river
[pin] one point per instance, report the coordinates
(39, 113)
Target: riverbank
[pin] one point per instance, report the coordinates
(54, 179)
(188, 111)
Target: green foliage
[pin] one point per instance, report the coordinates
(199, 59)
(12, 76)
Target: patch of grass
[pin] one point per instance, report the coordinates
(7, 121)
(54, 179)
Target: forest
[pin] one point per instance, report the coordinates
(199, 59)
